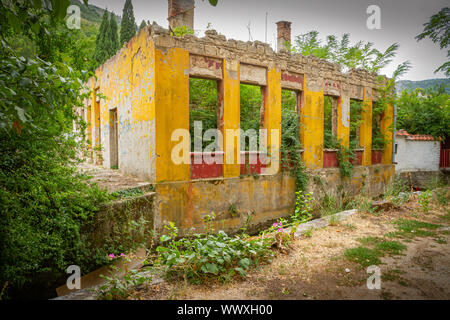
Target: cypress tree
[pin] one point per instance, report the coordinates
(100, 51)
(143, 24)
(128, 25)
(114, 35)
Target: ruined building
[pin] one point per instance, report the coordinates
(146, 85)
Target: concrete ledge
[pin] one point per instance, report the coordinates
(322, 222)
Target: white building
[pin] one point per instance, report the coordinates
(416, 152)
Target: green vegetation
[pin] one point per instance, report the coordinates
(437, 29)
(142, 25)
(118, 287)
(364, 256)
(409, 85)
(358, 55)
(47, 208)
(205, 256)
(379, 247)
(290, 141)
(424, 112)
(128, 24)
(412, 228)
(378, 140)
(251, 103)
(107, 42)
(203, 106)
(424, 200)
(181, 31)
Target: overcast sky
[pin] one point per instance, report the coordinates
(401, 21)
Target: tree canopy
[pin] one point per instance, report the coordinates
(128, 25)
(358, 55)
(438, 30)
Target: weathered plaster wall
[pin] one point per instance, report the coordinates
(148, 82)
(261, 199)
(128, 82)
(415, 155)
(365, 130)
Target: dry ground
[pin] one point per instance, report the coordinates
(316, 267)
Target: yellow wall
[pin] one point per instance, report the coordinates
(95, 119)
(343, 120)
(387, 131)
(127, 81)
(311, 130)
(272, 118)
(172, 110)
(230, 97)
(365, 138)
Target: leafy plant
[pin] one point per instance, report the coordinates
(202, 107)
(117, 287)
(181, 31)
(424, 112)
(358, 55)
(438, 31)
(47, 207)
(424, 200)
(206, 256)
(303, 209)
(290, 145)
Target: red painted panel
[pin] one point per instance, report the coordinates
(205, 170)
(444, 161)
(377, 155)
(254, 167)
(358, 155)
(330, 159)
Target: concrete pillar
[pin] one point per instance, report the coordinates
(272, 119)
(387, 122)
(229, 95)
(343, 119)
(365, 130)
(181, 13)
(283, 34)
(312, 120)
(172, 115)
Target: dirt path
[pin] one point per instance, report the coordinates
(316, 267)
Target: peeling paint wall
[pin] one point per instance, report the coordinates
(415, 155)
(128, 82)
(259, 201)
(365, 131)
(312, 120)
(148, 82)
(172, 111)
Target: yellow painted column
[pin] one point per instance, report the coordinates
(387, 130)
(343, 120)
(172, 113)
(89, 110)
(365, 137)
(95, 120)
(272, 119)
(230, 118)
(312, 122)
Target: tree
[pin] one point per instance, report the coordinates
(101, 51)
(114, 34)
(424, 112)
(143, 25)
(128, 25)
(438, 30)
(358, 55)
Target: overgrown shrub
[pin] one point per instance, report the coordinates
(46, 207)
(205, 256)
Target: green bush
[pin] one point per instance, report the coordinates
(206, 256)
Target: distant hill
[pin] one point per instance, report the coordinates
(424, 84)
(91, 17)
